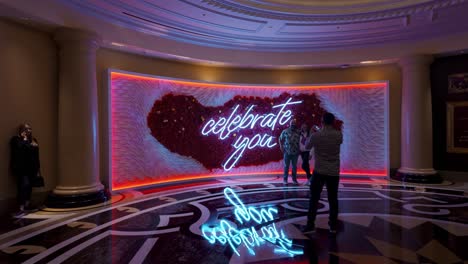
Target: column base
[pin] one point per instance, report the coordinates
(429, 178)
(76, 200)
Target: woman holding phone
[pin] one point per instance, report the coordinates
(25, 165)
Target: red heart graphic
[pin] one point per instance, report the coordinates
(176, 122)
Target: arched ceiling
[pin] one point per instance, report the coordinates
(328, 7)
(279, 25)
(234, 32)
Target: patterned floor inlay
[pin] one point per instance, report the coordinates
(379, 223)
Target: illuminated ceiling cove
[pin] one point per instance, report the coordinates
(280, 25)
(282, 34)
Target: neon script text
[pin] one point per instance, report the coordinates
(249, 237)
(223, 127)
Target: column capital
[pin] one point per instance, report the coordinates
(415, 60)
(74, 36)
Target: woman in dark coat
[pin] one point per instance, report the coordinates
(25, 165)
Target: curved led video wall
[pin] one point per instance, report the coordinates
(165, 130)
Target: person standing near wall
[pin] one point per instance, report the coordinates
(289, 145)
(25, 166)
(326, 143)
(306, 154)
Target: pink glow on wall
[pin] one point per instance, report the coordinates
(138, 159)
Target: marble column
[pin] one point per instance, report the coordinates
(78, 145)
(416, 122)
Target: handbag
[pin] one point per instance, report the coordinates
(38, 181)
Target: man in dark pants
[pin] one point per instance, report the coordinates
(326, 144)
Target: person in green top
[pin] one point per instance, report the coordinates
(289, 145)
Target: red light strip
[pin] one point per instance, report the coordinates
(157, 189)
(370, 181)
(230, 86)
(150, 181)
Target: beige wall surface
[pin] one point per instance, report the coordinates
(122, 61)
(29, 85)
(28, 92)
(29, 79)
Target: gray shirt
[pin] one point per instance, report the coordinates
(326, 144)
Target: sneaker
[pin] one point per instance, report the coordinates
(19, 214)
(285, 182)
(310, 229)
(307, 183)
(295, 182)
(30, 209)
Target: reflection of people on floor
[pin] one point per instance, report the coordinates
(289, 145)
(24, 165)
(317, 249)
(326, 143)
(333, 248)
(306, 153)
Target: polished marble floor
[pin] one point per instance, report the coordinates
(380, 222)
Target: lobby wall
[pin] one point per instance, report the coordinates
(107, 58)
(440, 70)
(28, 93)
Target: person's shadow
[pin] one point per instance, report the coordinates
(320, 248)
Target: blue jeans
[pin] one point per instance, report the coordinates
(287, 160)
(24, 189)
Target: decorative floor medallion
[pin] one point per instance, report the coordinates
(378, 224)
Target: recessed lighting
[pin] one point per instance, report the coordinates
(290, 66)
(117, 44)
(369, 62)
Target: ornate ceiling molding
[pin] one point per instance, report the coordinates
(195, 31)
(321, 19)
(238, 25)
